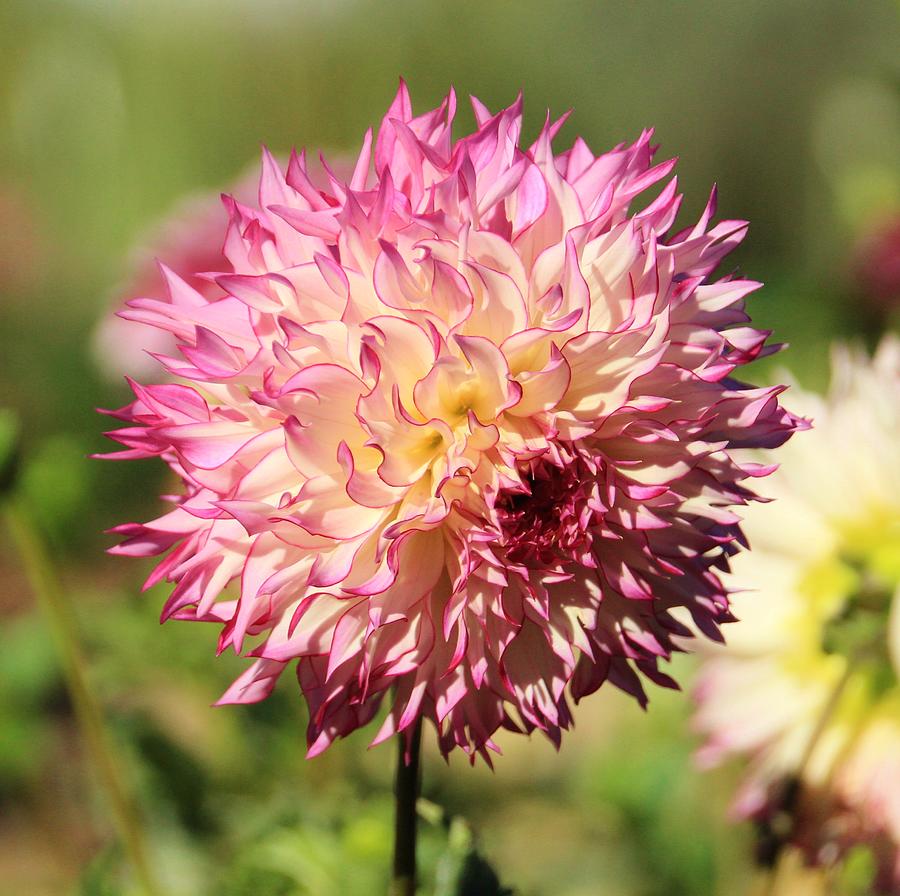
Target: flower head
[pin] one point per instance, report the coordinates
(808, 686)
(459, 433)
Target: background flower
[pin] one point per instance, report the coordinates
(808, 683)
(876, 266)
(462, 428)
(189, 239)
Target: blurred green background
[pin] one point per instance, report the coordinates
(110, 111)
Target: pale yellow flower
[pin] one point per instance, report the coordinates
(808, 684)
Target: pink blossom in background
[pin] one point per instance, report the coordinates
(460, 433)
(876, 266)
(189, 238)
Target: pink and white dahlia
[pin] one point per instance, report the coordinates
(459, 434)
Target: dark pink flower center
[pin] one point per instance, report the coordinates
(549, 522)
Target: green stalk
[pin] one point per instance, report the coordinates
(58, 612)
(403, 882)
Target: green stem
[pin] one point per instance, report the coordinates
(53, 602)
(403, 882)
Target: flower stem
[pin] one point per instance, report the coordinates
(403, 882)
(58, 612)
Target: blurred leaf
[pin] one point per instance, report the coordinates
(9, 444)
(100, 877)
(333, 846)
(22, 740)
(29, 671)
(448, 871)
(56, 484)
(857, 872)
(29, 681)
(259, 882)
(478, 878)
(461, 870)
(178, 777)
(365, 837)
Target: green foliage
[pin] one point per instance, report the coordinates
(313, 853)
(478, 878)
(9, 448)
(461, 870)
(101, 875)
(30, 690)
(56, 483)
(857, 874)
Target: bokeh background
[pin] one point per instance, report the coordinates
(111, 111)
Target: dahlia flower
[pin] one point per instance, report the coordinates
(458, 434)
(808, 685)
